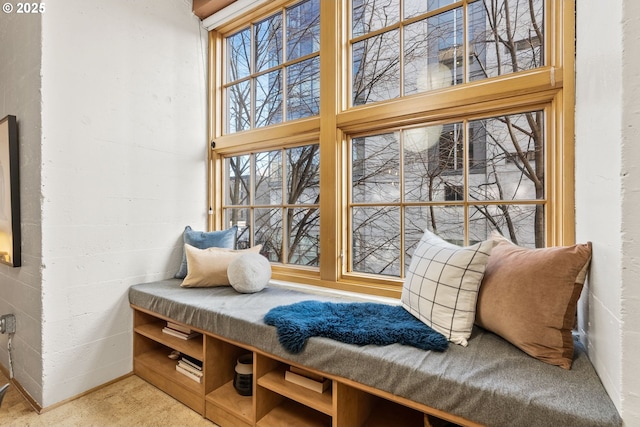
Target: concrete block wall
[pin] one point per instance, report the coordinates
(20, 288)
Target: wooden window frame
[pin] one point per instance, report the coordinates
(550, 88)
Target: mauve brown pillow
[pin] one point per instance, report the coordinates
(529, 297)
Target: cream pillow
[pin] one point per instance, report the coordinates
(208, 267)
(441, 287)
(249, 273)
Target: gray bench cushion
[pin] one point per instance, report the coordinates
(490, 382)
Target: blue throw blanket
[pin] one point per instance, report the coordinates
(354, 323)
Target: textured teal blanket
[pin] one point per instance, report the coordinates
(354, 323)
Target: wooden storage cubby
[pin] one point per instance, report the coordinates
(151, 348)
(287, 412)
(357, 407)
(275, 401)
(271, 376)
(280, 402)
(224, 404)
(385, 413)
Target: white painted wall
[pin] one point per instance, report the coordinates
(123, 171)
(598, 162)
(630, 177)
(20, 53)
(608, 192)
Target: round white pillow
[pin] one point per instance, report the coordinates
(249, 273)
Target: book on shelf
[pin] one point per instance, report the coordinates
(190, 368)
(189, 374)
(318, 385)
(178, 327)
(305, 373)
(179, 334)
(195, 363)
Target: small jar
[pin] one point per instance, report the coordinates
(243, 378)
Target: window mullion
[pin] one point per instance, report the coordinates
(466, 163)
(252, 80)
(284, 207)
(283, 66)
(331, 73)
(465, 42)
(402, 203)
(252, 188)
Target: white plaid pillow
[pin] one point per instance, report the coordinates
(441, 287)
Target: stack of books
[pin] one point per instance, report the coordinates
(190, 367)
(307, 379)
(179, 331)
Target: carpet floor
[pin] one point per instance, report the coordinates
(128, 402)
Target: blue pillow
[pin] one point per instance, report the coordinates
(206, 239)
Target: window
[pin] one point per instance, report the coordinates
(400, 188)
(405, 115)
(272, 69)
(453, 192)
(272, 196)
(423, 48)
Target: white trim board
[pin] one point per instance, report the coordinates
(231, 12)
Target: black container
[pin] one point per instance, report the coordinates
(243, 378)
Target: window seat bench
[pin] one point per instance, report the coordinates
(490, 382)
